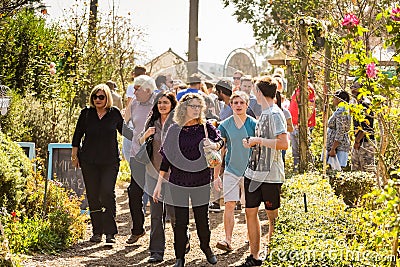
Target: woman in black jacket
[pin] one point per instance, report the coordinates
(99, 159)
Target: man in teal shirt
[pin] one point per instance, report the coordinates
(233, 129)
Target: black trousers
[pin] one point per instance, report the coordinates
(100, 191)
(135, 194)
(198, 196)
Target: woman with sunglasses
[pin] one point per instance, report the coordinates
(99, 159)
(189, 178)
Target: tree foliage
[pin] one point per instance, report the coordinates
(277, 20)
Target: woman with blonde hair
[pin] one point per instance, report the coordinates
(190, 177)
(99, 159)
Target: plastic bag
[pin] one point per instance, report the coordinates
(334, 162)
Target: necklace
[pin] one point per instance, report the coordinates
(101, 114)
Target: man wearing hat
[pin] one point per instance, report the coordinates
(117, 98)
(194, 86)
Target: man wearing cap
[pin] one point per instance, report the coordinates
(194, 86)
(117, 98)
(223, 90)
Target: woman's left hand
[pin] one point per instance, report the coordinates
(332, 153)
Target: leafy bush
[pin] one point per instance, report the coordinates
(31, 230)
(27, 227)
(40, 121)
(322, 236)
(15, 169)
(352, 185)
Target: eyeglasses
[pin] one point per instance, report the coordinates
(237, 78)
(195, 106)
(101, 97)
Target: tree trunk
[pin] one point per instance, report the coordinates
(303, 103)
(327, 82)
(382, 172)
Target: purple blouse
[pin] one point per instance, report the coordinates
(183, 154)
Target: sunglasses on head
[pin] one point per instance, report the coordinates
(101, 97)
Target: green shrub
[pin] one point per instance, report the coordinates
(30, 230)
(40, 121)
(322, 236)
(15, 169)
(124, 174)
(352, 185)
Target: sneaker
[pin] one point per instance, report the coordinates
(214, 207)
(250, 261)
(238, 206)
(96, 238)
(134, 238)
(110, 239)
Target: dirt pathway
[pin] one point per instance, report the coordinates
(121, 254)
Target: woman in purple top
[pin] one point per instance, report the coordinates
(183, 155)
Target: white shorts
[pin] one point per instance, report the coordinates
(231, 186)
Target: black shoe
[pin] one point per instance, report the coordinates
(238, 206)
(110, 238)
(214, 207)
(179, 263)
(210, 256)
(155, 259)
(250, 261)
(96, 238)
(134, 238)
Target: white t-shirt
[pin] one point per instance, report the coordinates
(266, 164)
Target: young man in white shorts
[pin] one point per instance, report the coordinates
(233, 129)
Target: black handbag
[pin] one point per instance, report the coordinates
(145, 151)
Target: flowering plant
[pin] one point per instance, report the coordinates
(395, 14)
(371, 70)
(350, 21)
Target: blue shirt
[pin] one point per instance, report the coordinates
(237, 156)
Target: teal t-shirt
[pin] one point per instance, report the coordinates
(237, 156)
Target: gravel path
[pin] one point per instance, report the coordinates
(121, 254)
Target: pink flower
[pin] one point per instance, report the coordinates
(395, 14)
(350, 20)
(371, 70)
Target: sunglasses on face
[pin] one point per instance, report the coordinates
(238, 102)
(101, 97)
(236, 78)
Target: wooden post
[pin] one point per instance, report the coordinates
(327, 81)
(193, 37)
(303, 101)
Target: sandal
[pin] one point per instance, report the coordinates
(224, 246)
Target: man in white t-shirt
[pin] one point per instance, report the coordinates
(265, 174)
